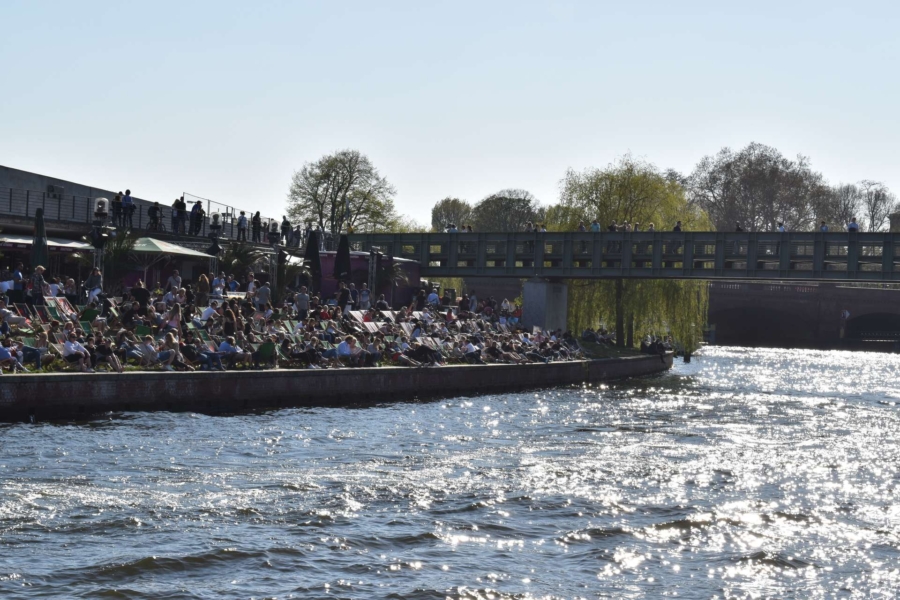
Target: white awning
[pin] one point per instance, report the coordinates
(11, 240)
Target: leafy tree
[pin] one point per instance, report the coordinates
(450, 210)
(238, 259)
(342, 190)
(406, 225)
(287, 274)
(507, 210)
(638, 192)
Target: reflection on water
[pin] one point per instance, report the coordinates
(748, 473)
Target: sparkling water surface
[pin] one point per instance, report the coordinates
(745, 474)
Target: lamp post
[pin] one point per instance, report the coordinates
(274, 236)
(100, 232)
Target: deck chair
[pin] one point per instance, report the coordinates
(268, 352)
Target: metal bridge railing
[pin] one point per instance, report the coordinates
(650, 255)
(80, 209)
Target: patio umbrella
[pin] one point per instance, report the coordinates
(40, 252)
(313, 260)
(342, 260)
(149, 251)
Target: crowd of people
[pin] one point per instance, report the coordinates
(188, 219)
(220, 323)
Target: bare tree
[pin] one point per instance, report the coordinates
(342, 190)
(758, 188)
(878, 203)
(839, 205)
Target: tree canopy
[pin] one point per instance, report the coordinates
(506, 210)
(450, 210)
(758, 188)
(342, 190)
(637, 192)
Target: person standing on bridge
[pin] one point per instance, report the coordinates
(676, 245)
(286, 230)
(128, 209)
(737, 244)
(853, 226)
(823, 227)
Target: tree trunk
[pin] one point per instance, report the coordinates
(620, 313)
(630, 341)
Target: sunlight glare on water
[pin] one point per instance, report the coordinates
(745, 474)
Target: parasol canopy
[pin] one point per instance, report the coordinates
(40, 253)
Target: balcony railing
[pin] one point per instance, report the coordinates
(79, 209)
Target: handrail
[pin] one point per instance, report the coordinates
(72, 208)
(838, 256)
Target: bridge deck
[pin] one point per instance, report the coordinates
(647, 255)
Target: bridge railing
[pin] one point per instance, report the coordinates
(681, 255)
(80, 209)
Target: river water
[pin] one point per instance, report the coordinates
(748, 473)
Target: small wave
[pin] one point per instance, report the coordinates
(592, 533)
(774, 559)
(162, 565)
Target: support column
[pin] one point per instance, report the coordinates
(546, 304)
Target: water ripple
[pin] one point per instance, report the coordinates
(745, 474)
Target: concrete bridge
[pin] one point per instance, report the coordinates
(839, 256)
(823, 315)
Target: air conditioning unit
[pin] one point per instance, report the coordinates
(55, 191)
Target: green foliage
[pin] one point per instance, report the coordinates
(450, 210)
(507, 210)
(238, 259)
(637, 192)
(390, 273)
(287, 274)
(406, 225)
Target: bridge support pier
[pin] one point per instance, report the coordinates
(546, 304)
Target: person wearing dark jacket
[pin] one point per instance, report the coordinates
(256, 227)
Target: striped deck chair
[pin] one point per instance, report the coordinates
(65, 306)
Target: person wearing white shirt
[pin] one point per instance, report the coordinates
(233, 353)
(473, 354)
(76, 354)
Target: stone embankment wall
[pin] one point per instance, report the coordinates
(74, 395)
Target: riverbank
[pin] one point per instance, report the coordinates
(78, 395)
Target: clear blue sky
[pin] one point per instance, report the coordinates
(227, 99)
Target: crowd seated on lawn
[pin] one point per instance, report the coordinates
(175, 329)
